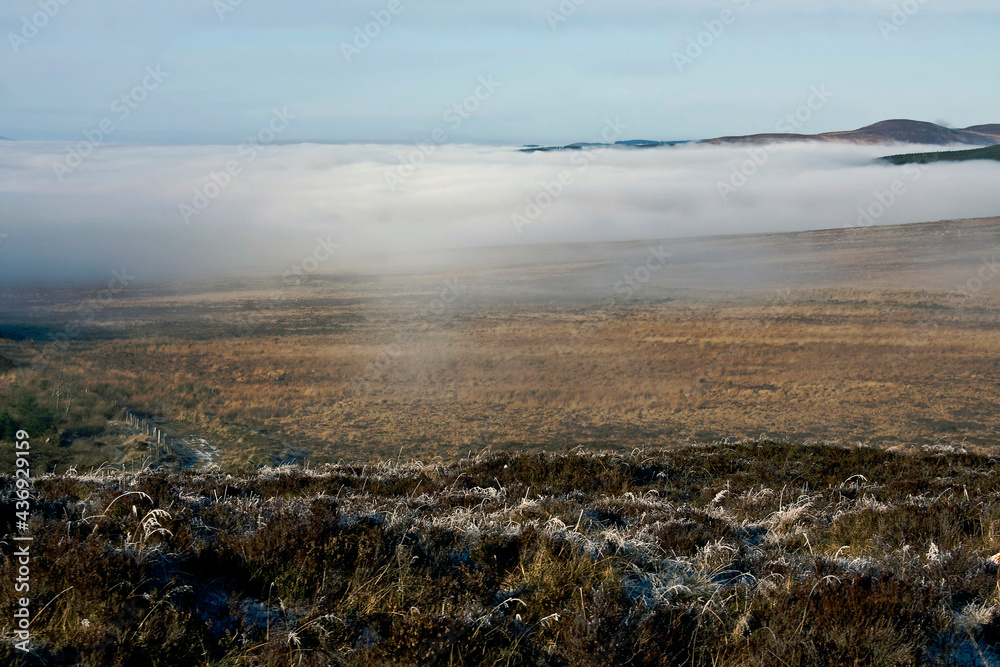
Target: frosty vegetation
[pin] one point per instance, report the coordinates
(738, 553)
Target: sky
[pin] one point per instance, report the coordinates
(194, 138)
(563, 67)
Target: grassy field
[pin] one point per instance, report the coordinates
(749, 553)
(885, 367)
(876, 335)
(549, 455)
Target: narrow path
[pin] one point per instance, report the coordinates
(195, 453)
(192, 452)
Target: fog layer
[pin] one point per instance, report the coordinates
(183, 212)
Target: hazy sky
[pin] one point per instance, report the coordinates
(562, 68)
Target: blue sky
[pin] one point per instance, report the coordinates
(224, 72)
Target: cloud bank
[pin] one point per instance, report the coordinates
(179, 212)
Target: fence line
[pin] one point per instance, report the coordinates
(161, 443)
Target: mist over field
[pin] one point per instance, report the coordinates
(175, 212)
(395, 332)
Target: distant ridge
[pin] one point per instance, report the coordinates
(898, 131)
(987, 130)
(580, 145)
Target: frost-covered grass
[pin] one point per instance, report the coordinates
(749, 553)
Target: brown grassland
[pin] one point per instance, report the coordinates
(744, 450)
(846, 336)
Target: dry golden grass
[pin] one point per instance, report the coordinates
(831, 366)
(830, 348)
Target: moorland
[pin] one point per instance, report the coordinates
(877, 335)
(738, 450)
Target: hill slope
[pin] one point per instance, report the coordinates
(988, 153)
(885, 132)
(992, 131)
(899, 131)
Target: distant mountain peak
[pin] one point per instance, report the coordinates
(894, 131)
(896, 123)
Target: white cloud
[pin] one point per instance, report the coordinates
(121, 206)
